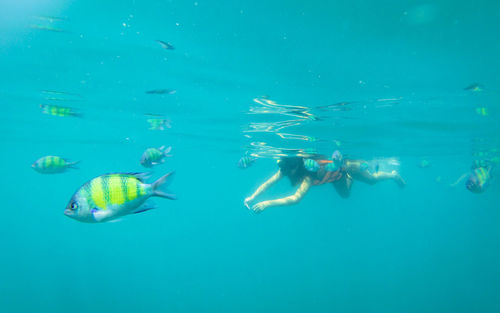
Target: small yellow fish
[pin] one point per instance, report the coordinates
(478, 179)
(52, 164)
(155, 156)
(158, 123)
(56, 110)
(482, 111)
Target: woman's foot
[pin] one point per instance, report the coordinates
(398, 179)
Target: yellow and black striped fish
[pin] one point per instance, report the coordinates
(479, 179)
(246, 161)
(59, 110)
(158, 123)
(155, 156)
(52, 164)
(110, 196)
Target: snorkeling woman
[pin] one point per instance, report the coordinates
(316, 171)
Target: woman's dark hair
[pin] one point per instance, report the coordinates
(293, 167)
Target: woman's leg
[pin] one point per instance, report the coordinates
(359, 171)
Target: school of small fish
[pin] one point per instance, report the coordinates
(109, 196)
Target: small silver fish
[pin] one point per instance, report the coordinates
(340, 106)
(48, 28)
(50, 18)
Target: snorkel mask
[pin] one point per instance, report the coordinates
(337, 158)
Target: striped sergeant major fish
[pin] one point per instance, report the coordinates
(52, 164)
(110, 196)
(246, 161)
(58, 110)
(158, 123)
(155, 156)
(479, 179)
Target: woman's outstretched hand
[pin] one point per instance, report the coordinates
(261, 206)
(247, 202)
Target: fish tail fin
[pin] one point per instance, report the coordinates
(493, 168)
(74, 165)
(459, 180)
(167, 151)
(160, 184)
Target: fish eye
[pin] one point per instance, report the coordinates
(74, 205)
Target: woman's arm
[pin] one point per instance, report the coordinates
(301, 191)
(264, 187)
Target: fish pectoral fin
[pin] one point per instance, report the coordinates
(102, 215)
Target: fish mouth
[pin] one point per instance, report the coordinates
(68, 212)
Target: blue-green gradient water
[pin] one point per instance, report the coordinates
(402, 66)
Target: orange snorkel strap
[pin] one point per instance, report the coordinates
(322, 162)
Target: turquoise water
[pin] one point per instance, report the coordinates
(401, 68)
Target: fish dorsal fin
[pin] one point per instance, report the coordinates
(142, 176)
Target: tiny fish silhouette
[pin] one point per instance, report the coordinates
(165, 45)
(160, 91)
(474, 87)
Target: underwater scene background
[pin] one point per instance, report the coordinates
(407, 85)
